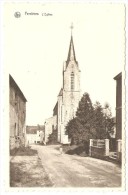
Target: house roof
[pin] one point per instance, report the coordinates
(34, 129)
(14, 84)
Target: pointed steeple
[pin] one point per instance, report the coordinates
(71, 53)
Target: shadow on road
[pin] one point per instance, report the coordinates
(23, 151)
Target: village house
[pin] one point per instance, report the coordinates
(17, 114)
(68, 98)
(34, 134)
(50, 126)
(118, 79)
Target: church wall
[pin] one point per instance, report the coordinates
(72, 67)
(68, 104)
(66, 111)
(71, 98)
(59, 119)
(71, 101)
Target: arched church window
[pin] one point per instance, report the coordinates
(72, 81)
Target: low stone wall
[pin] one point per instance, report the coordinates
(99, 148)
(97, 152)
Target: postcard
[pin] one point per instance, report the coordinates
(63, 76)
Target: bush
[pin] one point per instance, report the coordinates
(80, 150)
(23, 151)
(52, 139)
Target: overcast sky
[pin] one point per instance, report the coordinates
(36, 46)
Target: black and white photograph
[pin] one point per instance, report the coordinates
(64, 95)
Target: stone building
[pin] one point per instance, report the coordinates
(17, 114)
(68, 97)
(34, 134)
(50, 126)
(118, 79)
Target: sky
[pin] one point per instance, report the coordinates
(36, 46)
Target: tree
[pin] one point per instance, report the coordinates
(103, 122)
(85, 116)
(74, 131)
(109, 122)
(91, 122)
(99, 122)
(52, 139)
(80, 128)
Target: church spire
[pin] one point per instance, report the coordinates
(71, 53)
(71, 28)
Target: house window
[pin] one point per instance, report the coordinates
(72, 81)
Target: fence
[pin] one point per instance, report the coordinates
(99, 148)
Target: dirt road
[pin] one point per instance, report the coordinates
(75, 171)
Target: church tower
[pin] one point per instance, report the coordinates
(69, 96)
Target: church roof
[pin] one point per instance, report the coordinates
(71, 52)
(60, 93)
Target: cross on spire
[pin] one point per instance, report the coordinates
(71, 53)
(71, 27)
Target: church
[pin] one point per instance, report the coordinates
(68, 98)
